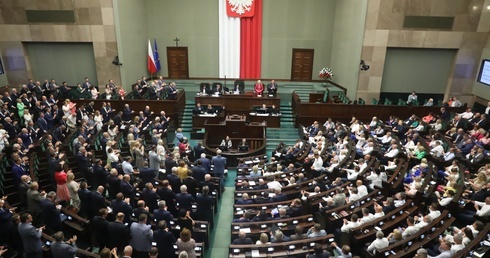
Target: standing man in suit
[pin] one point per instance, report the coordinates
(122, 205)
(172, 91)
(118, 233)
(99, 228)
(198, 172)
(162, 213)
(219, 163)
(206, 163)
(166, 194)
(34, 199)
(198, 150)
(61, 249)
(150, 196)
(170, 163)
(154, 159)
(50, 213)
(272, 88)
(97, 200)
(23, 187)
(31, 237)
(204, 204)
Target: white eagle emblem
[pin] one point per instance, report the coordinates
(240, 6)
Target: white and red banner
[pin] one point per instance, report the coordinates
(240, 38)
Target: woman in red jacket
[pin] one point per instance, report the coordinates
(62, 193)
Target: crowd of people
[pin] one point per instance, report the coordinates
(132, 194)
(150, 188)
(453, 146)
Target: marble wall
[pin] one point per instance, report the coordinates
(384, 29)
(94, 23)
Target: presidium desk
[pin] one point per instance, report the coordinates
(237, 128)
(238, 104)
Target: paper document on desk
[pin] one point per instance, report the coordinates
(255, 253)
(262, 114)
(246, 230)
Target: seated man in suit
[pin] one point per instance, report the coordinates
(242, 239)
(204, 89)
(198, 109)
(239, 86)
(272, 88)
(258, 88)
(217, 90)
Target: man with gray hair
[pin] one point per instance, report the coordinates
(61, 249)
(184, 199)
(421, 253)
(219, 163)
(379, 243)
(50, 213)
(242, 239)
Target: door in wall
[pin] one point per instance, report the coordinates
(302, 64)
(178, 63)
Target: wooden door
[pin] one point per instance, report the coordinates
(302, 64)
(178, 63)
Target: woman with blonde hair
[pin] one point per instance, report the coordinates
(98, 120)
(73, 190)
(263, 240)
(186, 243)
(139, 155)
(395, 236)
(182, 170)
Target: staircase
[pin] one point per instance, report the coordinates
(186, 116)
(287, 133)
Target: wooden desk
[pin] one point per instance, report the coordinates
(239, 103)
(272, 121)
(236, 127)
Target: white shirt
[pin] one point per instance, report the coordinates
(421, 224)
(367, 150)
(484, 210)
(354, 197)
(348, 226)
(445, 201)
(399, 203)
(368, 218)
(274, 185)
(378, 214)
(351, 174)
(362, 191)
(438, 151)
(378, 244)
(317, 164)
(410, 230)
(456, 247)
(434, 214)
(392, 153)
(376, 180)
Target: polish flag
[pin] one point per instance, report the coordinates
(152, 67)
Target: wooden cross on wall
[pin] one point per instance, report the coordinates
(176, 41)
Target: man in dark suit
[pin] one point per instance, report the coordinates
(263, 199)
(165, 240)
(141, 209)
(279, 197)
(147, 174)
(150, 196)
(127, 188)
(23, 187)
(113, 182)
(61, 249)
(166, 194)
(205, 162)
(18, 171)
(127, 113)
(184, 199)
(84, 164)
(50, 213)
(162, 213)
(49, 118)
(170, 163)
(97, 200)
(244, 200)
(219, 163)
(198, 172)
(99, 225)
(242, 239)
(198, 150)
(174, 180)
(205, 202)
(34, 199)
(100, 173)
(85, 195)
(171, 91)
(122, 205)
(209, 183)
(117, 118)
(31, 237)
(191, 184)
(118, 233)
(272, 88)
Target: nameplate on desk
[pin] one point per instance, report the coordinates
(207, 115)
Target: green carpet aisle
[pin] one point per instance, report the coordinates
(287, 133)
(220, 236)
